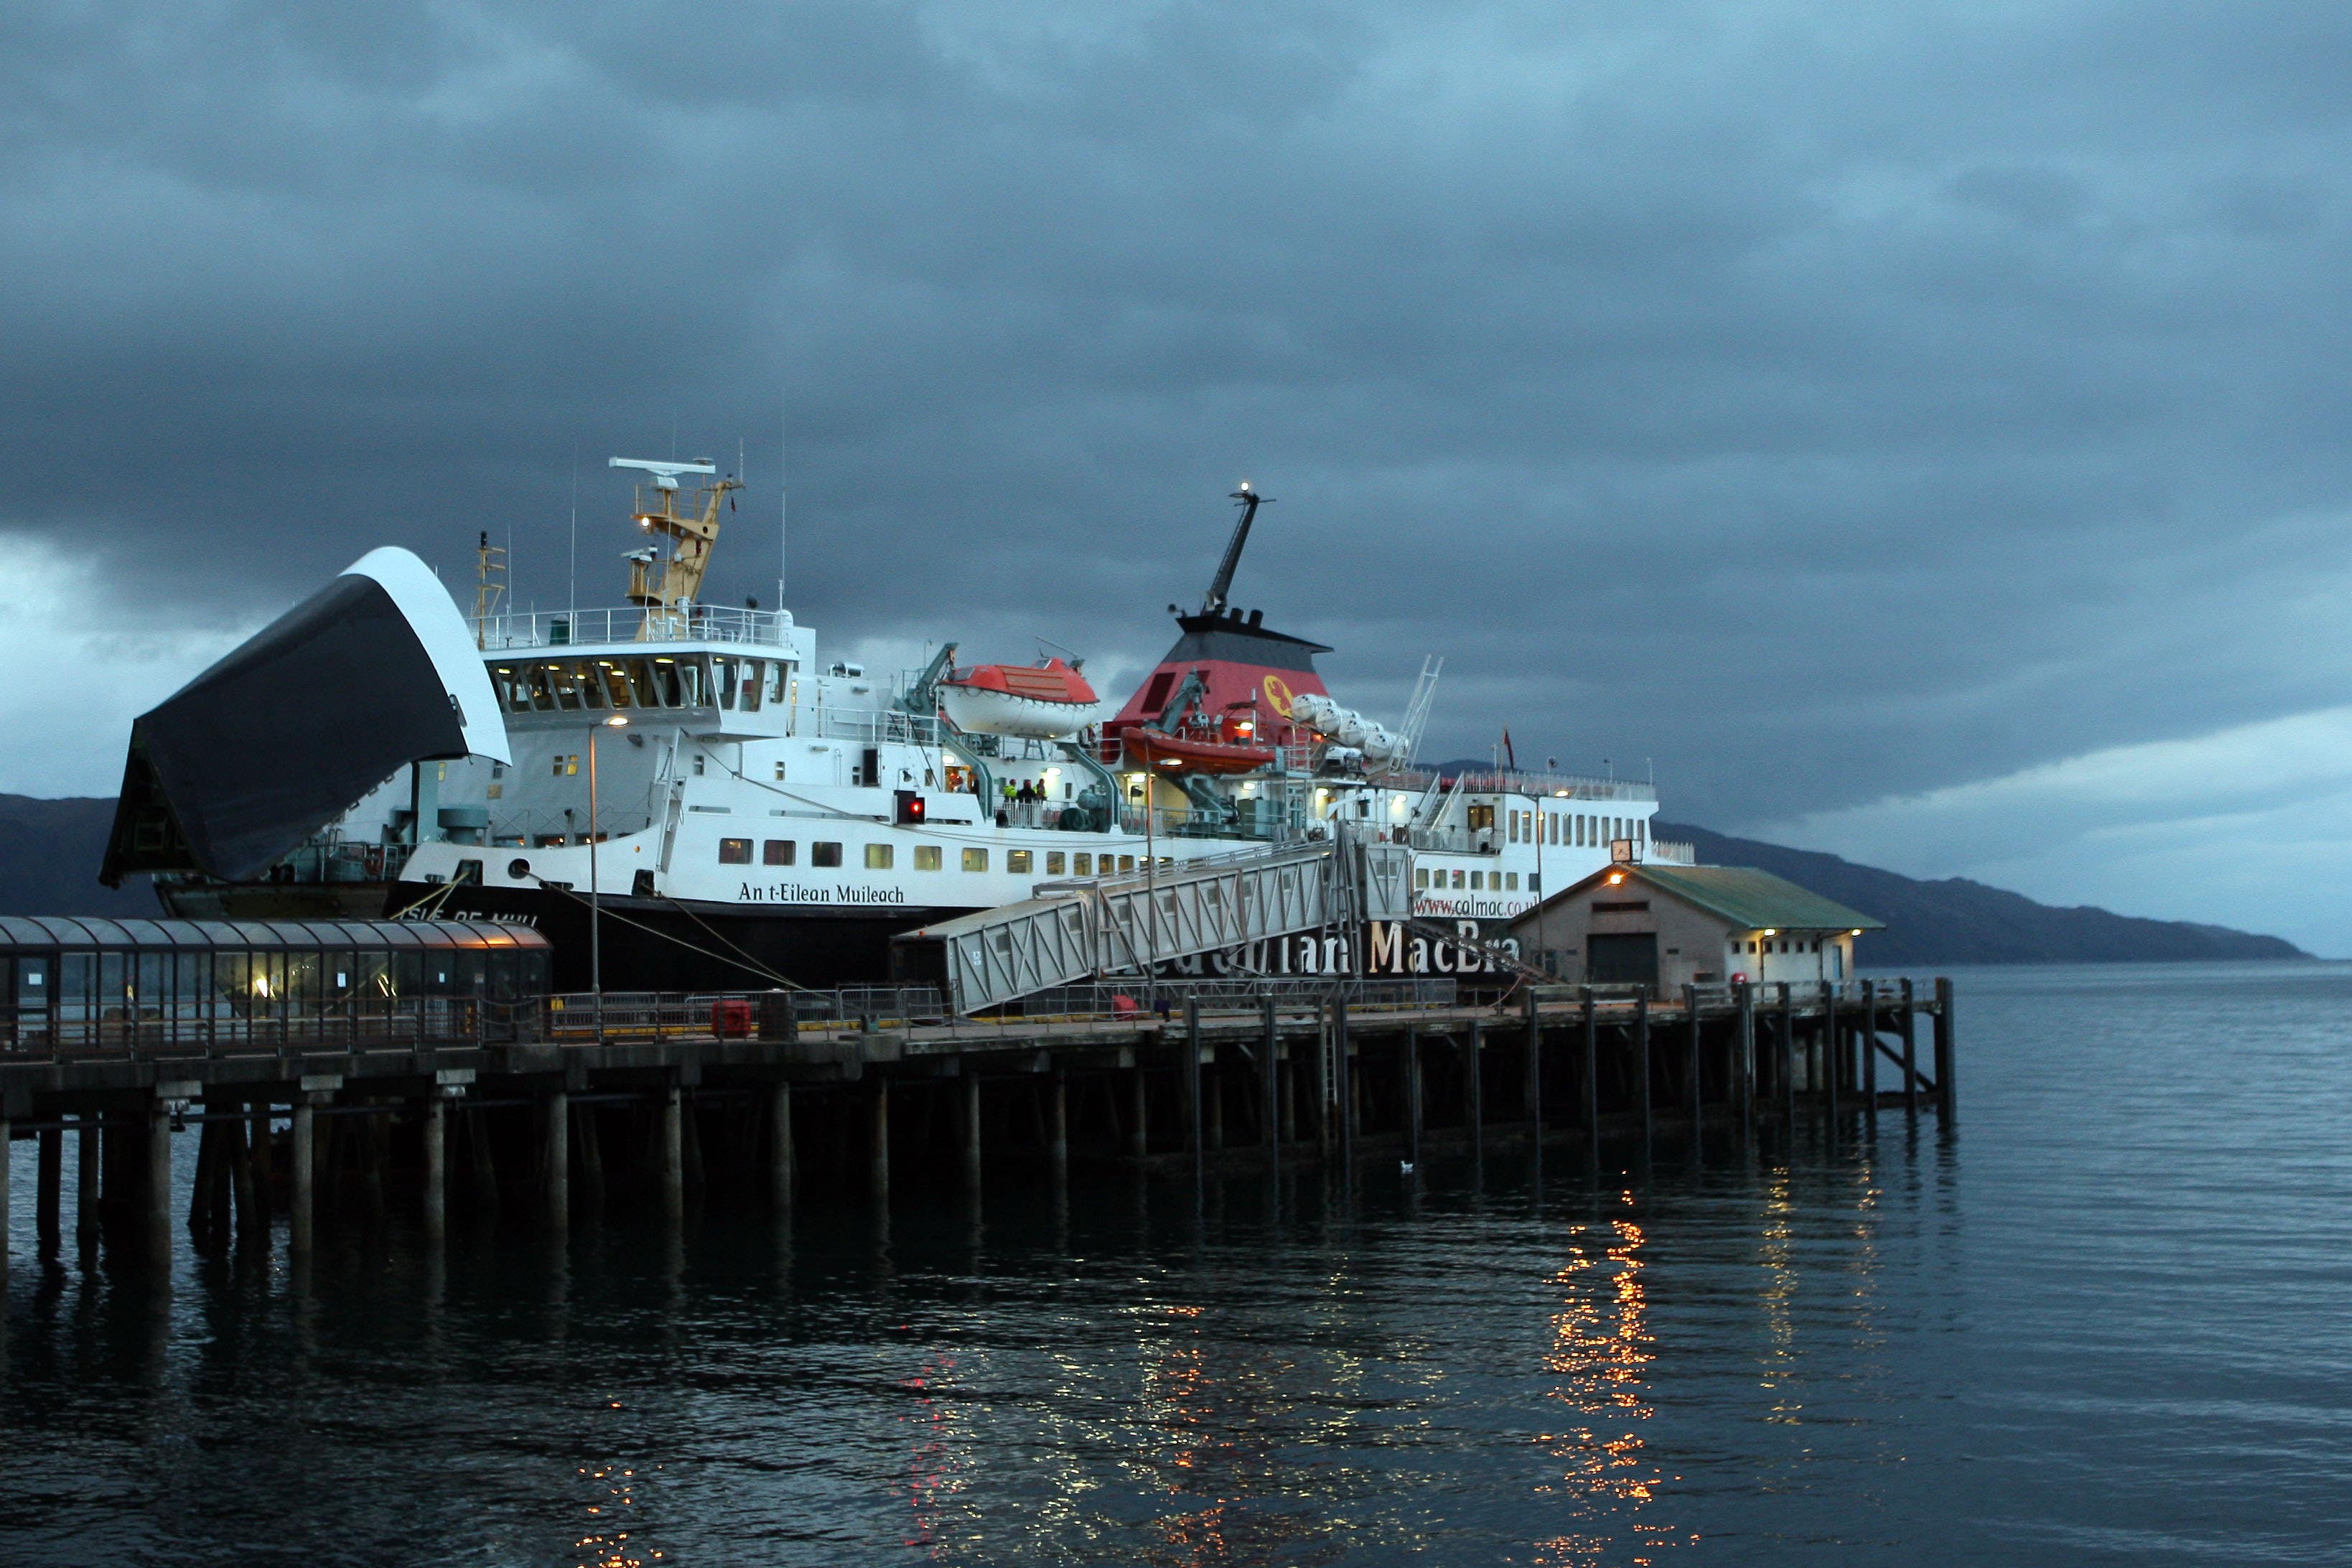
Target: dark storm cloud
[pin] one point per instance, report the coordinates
(1823, 401)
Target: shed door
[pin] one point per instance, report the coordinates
(1622, 960)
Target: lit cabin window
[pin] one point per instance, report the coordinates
(1055, 863)
(780, 772)
(1082, 863)
(823, 853)
(1126, 862)
(777, 852)
(1457, 880)
(1477, 880)
(879, 857)
(976, 859)
(927, 856)
(1421, 877)
(1019, 860)
(1511, 881)
(734, 852)
(566, 764)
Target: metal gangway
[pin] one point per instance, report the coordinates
(1082, 930)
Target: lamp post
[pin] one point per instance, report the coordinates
(595, 890)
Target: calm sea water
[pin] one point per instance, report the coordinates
(2107, 1318)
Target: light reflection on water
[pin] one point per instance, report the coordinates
(2101, 1322)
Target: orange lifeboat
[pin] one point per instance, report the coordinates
(1041, 700)
(1193, 751)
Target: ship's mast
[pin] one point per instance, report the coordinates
(489, 585)
(1249, 501)
(668, 586)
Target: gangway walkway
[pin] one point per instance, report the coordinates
(1076, 930)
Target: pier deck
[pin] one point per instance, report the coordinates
(531, 1105)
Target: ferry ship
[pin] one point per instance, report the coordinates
(746, 813)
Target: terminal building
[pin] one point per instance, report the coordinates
(1667, 926)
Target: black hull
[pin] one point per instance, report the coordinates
(654, 944)
(650, 944)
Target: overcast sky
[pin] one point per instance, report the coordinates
(1921, 430)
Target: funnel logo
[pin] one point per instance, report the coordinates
(1277, 695)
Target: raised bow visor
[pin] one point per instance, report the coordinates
(373, 672)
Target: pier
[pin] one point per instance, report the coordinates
(553, 1106)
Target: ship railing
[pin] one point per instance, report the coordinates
(877, 726)
(629, 623)
(780, 1014)
(1672, 852)
(275, 1027)
(1520, 781)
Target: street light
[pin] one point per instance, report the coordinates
(595, 892)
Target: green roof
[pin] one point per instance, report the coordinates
(1755, 901)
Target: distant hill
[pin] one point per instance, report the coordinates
(1956, 920)
(49, 853)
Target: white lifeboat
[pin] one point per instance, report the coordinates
(1043, 702)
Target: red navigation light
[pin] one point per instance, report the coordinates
(910, 808)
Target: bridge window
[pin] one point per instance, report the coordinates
(1018, 860)
(723, 683)
(976, 859)
(879, 857)
(734, 852)
(752, 679)
(666, 681)
(616, 684)
(823, 853)
(777, 852)
(927, 856)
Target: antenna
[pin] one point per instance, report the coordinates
(665, 473)
(783, 502)
(571, 596)
(1249, 501)
(1416, 713)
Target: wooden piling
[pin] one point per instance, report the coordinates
(437, 1168)
(673, 1152)
(251, 1223)
(970, 1130)
(780, 1146)
(1692, 1089)
(1194, 1112)
(159, 1186)
(1831, 1049)
(1344, 1072)
(1534, 1069)
(877, 1136)
(1870, 1049)
(1910, 1053)
(1642, 1063)
(48, 1184)
(1589, 1047)
(480, 1159)
(1139, 1127)
(200, 1209)
(1058, 1124)
(1269, 1080)
(89, 1140)
(1411, 1064)
(1944, 1051)
(1743, 1071)
(7, 1225)
(1784, 1051)
(556, 1160)
(1474, 1080)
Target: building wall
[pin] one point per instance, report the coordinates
(1694, 948)
(1691, 944)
